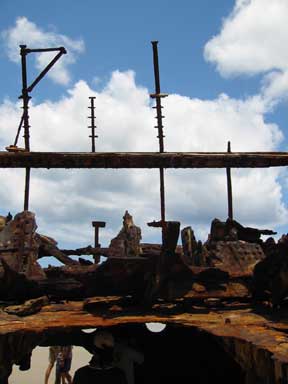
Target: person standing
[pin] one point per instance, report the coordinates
(63, 365)
(101, 368)
(53, 353)
(125, 357)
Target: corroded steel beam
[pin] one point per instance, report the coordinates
(143, 159)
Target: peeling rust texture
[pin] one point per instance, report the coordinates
(143, 160)
(258, 341)
(254, 331)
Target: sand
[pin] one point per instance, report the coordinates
(39, 363)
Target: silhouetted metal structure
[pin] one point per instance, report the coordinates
(161, 160)
(157, 96)
(229, 187)
(212, 287)
(26, 90)
(92, 126)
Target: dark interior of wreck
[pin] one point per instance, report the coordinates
(174, 353)
(180, 353)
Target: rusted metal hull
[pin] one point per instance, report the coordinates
(252, 338)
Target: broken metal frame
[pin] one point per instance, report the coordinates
(24, 51)
(263, 347)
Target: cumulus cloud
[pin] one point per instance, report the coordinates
(252, 40)
(28, 33)
(66, 201)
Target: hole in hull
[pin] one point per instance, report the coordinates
(174, 354)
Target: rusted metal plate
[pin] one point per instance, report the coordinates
(239, 324)
(237, 257)
(225, 290)
(19, 246)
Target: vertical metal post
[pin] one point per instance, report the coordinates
(27, 189)
(158, 96)
(97, 225)
(229, 187)
(92, 126)
(160, 136)
(25, 97)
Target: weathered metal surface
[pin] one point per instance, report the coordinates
(251, 338)
(127, 242)
(221, 268)
(225, 248)
(226, 290)
(236, 257)
(271, 274)
(28, 308)
(147, 271)
(143, 160)
(48, 247)
(193, 251)
(71, 314)
(231, 230)
(210, 296)
(19, 246)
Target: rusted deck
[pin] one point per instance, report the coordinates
(248, 335)
(143, 160)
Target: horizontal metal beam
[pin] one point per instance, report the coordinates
(143, 160)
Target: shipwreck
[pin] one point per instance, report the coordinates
(223, 300)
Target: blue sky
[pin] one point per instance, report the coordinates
(222, 62)
(117, 35)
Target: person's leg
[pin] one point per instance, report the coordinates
(48, 372)
(57, 376)
(68, 377)
(66, 369)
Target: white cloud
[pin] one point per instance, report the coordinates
(252, 40)
(28, 33)
(275, 86)
(208, 124)
(66, 201)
